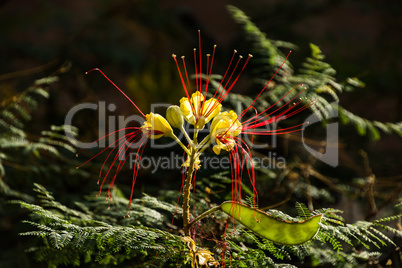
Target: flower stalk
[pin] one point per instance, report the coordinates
(186, 193)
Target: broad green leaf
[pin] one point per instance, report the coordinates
(276, 230)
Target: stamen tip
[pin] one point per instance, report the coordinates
(214, 46)
(240, 56)
(250, 55)
(235, 51)
(174, 55)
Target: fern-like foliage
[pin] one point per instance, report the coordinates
(16, 140)
(337, 244)
(317, 77)
(79, 236)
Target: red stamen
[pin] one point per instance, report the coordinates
(262, 90)
(119, 145)
(136, 128)
(287, 130)
(283, 113)
(117, 156)
(182, 80)
(224, 76)
(121, 91)
(219, 98)
(188, 80)
(135, 172)
(196, 69)
(240, 143)
(119, 166)
(274, 105)
(289, 112)
(199, 53)
(235, 81)
(183, 178)
(209, 71)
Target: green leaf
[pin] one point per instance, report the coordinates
(276, 230)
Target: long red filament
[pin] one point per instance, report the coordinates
(135, 172)
(262, 90)
(274, 105)
(226, 72)
(208, 78)
(199, 53)
(182, 81)
(121, 91)
(119, 145)
(119, 166)
(234, 82)
(188, 80)
(117, 156)
(136, 128)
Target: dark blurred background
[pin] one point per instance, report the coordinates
(132, 42)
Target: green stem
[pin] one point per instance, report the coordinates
(190, 142)
(200, 149)
(204, 141)
(195, 137)
(180, 143)
(203, 215)
(186, 194)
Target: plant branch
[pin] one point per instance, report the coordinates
(203, 215)
(186, 194)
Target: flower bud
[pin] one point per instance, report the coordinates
(156, 126)
(174, 116)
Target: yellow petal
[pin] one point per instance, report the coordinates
(196, 99)
(186, 110)
(193, 113)
(211, 109)
(185, 106)
(156, 126)
(216, 149)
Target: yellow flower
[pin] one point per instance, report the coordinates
(224, 128)
(197, 112)
(156, 126)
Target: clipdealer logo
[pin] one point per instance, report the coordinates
(328, 153)
(112, 123)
